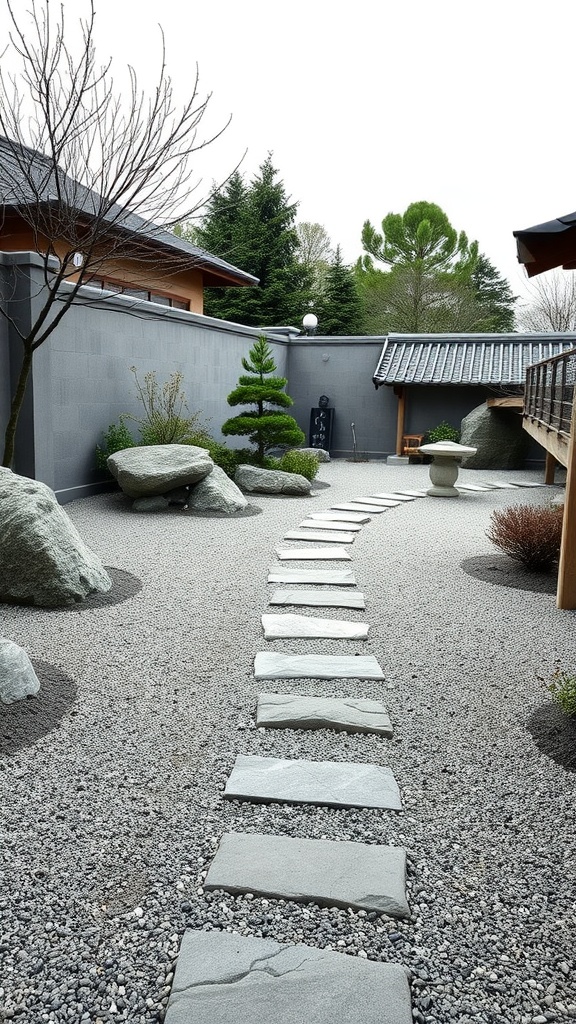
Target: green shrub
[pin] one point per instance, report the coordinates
(165, 420)
(303, 463)
(529, 533)
(116, 439)
(562, 688)
(227, 458)
(443, 432)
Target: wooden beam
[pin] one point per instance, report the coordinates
(508, 402)
(566, 592)
(551, 440)
(550, 470)
(401, 393)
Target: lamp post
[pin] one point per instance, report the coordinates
(310, 323)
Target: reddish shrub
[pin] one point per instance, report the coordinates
(529, 533)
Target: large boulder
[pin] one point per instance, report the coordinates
(497, 435)
(321, 454)
(271, 481)
(216, 493)
(43, 559)
(157, 468)
(17, 676)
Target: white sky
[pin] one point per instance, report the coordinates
(372, 105)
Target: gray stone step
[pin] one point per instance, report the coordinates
(497, 485)
(413, 494)
(331, 577)
(273, 665)
(527, 483)
(314, 524)
(331, 874)
(357, 506)
(338, 537)
(284, 625)
(223, 978)
(393, 496)
(314, 554)
(319, 598)
(321, 783)
(340, 517)
(381, 502)
(472, 487)
(351, 714)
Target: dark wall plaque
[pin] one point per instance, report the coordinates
(321, 421)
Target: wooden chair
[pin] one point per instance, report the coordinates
(411, 444)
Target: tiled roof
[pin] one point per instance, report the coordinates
(491, 359)
(16, 189)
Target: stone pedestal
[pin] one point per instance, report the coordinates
(446, 457)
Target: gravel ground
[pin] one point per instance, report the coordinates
(111, 779)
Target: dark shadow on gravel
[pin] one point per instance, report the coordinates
(554, 733)
(124, 586)
(506, 572)
(26, 721)
(243, 513)
(320, 485)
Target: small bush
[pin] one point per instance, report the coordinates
(227, 458)
(304, 463)
(443, 432)
(166, 419)
(116, 439)
(562, 688)
(529, 533)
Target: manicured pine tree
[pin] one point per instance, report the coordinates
(339, 310)
(265, 428)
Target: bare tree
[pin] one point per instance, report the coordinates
(112, 160)
(552, 304)
(315, 252)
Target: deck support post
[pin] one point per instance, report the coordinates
(566, 592)
(550, 469)
(401, 415)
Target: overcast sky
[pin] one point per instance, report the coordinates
(372, 105)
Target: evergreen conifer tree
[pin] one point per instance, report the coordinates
(264, 427)
(339, 310)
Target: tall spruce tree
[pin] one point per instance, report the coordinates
(253, 226)
(265, 428)
(339, 310)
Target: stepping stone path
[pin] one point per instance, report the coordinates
(321, 783)
(326, 554)
(472, 487)
(330, 874)
(312, 524)
(318, 598)
(334, 537)
(340, 517)
(396, 497)
(381, 502)
(353, 714)
(358, 506)
(279, 627)
(272, 665)
(334, 577)
(231, 979)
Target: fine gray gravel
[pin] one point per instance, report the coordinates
(112, 778)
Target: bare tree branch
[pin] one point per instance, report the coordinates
(552, 306)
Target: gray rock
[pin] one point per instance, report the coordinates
(321, 453)
(231, 979)
(43, 559)
(352, 714)
(158, 468)
(274, 665)
(155, 504)
(279, 627)
(271, 481)
(331, 874)
(322, 783)
(216, 493)
(498, 437)
(17, 676)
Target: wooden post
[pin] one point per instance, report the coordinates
(550, 470)
(566, 592)
(401, 395)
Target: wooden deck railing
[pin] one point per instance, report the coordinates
(549, 393)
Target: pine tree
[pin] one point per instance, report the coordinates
(339, 310)
(264, 427)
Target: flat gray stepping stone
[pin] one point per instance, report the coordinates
(497, 485)
(339, 537)
(526, 483)
(318, 598)
(232, 979)
(281, 627)
(331, 874)
(314, 524)
(392, 495)
(352, 714)
(357, 506)
(321, 783)
(327, 554)
(273, 665)
(340, 517)
(331, 577)
(381, 502)
(414, 494)
(472, 487)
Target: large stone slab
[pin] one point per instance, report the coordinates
(321, 783)
(331, 577)
(331, 874)
(222, 978)
(393, 496)
(350, 714)
(311, 554)
(216, 493)
(357, 506)
(273, 665)
(318, 598)
(340, 517)
(17, 676)
(157, 468)
(271, 481)
(339, 537)
(314, 524)
(497, 436)
(280, 627)
(43, 559)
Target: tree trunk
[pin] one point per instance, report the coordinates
(18, 399)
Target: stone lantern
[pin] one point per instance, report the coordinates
(446, 457)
